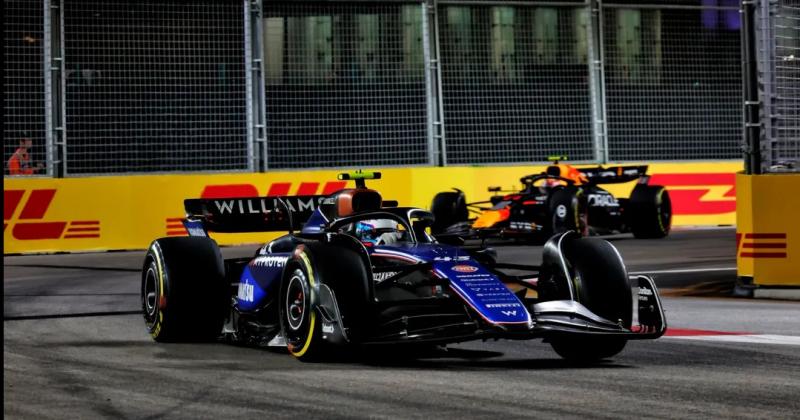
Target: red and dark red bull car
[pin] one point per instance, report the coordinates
(560, 199)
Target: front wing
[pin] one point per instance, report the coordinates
(569, 317)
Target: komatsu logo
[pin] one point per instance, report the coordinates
(270, 261)
(246, 292)
(379, 277)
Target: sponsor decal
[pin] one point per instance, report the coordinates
(380, 277)
(503, 305)
(509, 313)
(561, 211)
(275, 189)
(29, 223)
(246, 292)
(260, 206)
(762, 245)
(602, 200)
(463, 268)
(457, 258)
(327, 328)
(523, 226)
(269, 261)
(699, 193)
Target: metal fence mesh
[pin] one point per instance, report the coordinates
(162, 86)
(23, 78)
(785, 149)
(345, 85)
(515, 83)
(154, 86)
(673, 82)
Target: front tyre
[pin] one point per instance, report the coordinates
(601, 284)
(300, 324)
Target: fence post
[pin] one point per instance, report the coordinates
(596, 80)
(752, 125)
(254, 69)
(55, 88)
(48, 89)
(433, 91)
(764, 65)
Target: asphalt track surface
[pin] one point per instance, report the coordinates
(75, 347)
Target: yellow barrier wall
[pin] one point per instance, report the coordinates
(767, 232)
(82, 214)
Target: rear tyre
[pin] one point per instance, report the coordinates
(601, 284)
(448, 208)
(650, 211)
(184, 294)
(568, 212)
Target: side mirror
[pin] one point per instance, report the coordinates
(450, 239)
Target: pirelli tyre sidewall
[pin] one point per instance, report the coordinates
(448, 208)
(183, 292)
(297, 299)
(650, 211)
(568, 211)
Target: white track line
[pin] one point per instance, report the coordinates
(789, 340)
(684, 270)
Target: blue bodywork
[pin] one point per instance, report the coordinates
(479, 288)
(259, 280)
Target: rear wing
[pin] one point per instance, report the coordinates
(616, 174)
(250, 214)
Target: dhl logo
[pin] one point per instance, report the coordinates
(762, 245)
(174, 225)
(29, 225)
(699, 193)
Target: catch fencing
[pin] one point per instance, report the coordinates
(777, 38)
(120, 87)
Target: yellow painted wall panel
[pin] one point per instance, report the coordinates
(83, 214)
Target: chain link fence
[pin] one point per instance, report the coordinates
(345, 85)
(23, 80)
(673, 81)
(154, 86)
(778, 37)
(175, 86)
(515, 83)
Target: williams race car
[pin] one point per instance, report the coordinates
(563, 198)
(362, 271)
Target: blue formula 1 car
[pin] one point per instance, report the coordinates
(362, 271)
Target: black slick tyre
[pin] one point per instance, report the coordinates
(448, 208)
(650, 211)
(184, 295)
(315, 265)
(601, 284)
(568, 211)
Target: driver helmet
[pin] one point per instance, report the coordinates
(377, 231)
